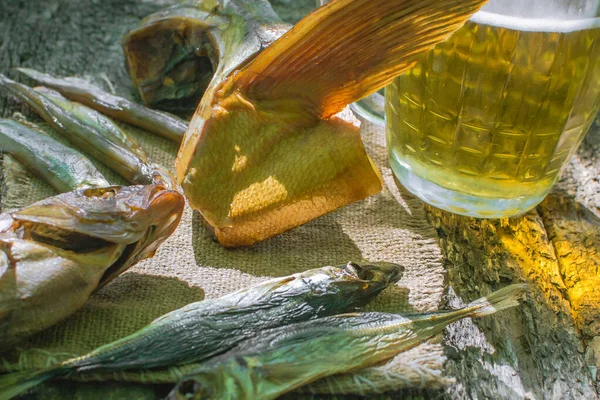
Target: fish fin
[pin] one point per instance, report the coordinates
(16, 383)
(349, 49)
(499, 300)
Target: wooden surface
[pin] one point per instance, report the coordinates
(542, 350)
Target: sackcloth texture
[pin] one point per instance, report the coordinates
(190, 265)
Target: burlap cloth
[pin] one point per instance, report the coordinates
(190, 266)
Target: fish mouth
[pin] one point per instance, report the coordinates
(169, 58)
(375, 272)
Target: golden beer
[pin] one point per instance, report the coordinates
(484, 124)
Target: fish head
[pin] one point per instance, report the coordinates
(78, 223)
(169, 56)
(73, 244)
(361, 282)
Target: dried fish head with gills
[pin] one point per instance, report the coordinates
(57, 251)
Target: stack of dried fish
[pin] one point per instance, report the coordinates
(91, 132)
(204, 329)
(280, 360)
(56, 252)
(265, 363)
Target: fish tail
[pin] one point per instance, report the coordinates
(500, 300)
(348, 49)
(16, 383)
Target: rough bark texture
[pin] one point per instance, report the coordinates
(550, 348)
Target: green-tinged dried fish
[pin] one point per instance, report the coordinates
(91, 132)
(204, 329)
(81, 91)
(56, 252)
(277, 361)
(62, 167)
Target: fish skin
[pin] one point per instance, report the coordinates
(81, 91)
(60, 166)
(277, 361)
(91, 132)
(203, 329)
(56, 252)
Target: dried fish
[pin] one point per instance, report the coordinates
(62, 167)
(277, 361)
(81, 91)
(169, 56)
(91, 132)
(271, 145)
(56, 252)
(203, 329)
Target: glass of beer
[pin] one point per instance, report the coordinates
(484, 124)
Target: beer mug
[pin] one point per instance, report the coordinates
(484, 124)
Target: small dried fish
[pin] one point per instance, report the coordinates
(62, 167)
(203, 329)
(277, 361)
(91, 132)
(83, 92)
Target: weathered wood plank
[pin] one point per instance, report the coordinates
(534, 352)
